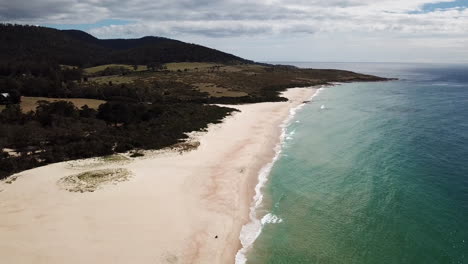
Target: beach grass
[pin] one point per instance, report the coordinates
(114, 158)
(90, 181)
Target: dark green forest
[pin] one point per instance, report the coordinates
(74, 47)
(59, 131)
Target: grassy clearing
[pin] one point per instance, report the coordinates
(216, 91)
(99, 68)
(90, 181)
(30, 103)
(189, 66)
(115, 79)
(212, 67)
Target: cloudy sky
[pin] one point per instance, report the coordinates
(272, 30)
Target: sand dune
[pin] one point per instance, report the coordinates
(169, 208)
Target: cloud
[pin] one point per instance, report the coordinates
(307, 21)
(211, 28)
(51, 11)
(224, 18)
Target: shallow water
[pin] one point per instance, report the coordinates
(379, 175)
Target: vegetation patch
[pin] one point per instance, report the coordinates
(11, 179)
(216, 91)
(92, 70)
(98, 162)
(113, 79)
(186, 146)
(189, 66)
(67, 67)
(136, 154)
(91, 181)
(114, 158)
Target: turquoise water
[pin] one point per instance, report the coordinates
(378, 176)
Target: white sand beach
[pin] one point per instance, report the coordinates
(169, 210)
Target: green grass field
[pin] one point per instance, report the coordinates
(175, 66)
(99, 68)
(210, 67)
(216, 91)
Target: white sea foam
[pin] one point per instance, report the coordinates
(271, 219)
(290, 135)
(252, 230)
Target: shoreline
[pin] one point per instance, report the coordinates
(175, 208)
(252, 229)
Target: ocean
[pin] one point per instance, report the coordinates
(370, 173)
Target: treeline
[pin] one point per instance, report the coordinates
(41, 78)
(59, 131)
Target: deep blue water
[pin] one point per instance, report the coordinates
(380, 175)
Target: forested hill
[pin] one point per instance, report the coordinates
(74, 47)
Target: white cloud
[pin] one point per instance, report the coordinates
(451, 21)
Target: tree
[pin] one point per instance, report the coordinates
(154, 66)
(15, 96)
(74, 74)
(46, 113)
(12, 113)
(87, 112)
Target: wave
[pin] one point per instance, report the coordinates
(452, 84)
(252, 230)
(271, 219)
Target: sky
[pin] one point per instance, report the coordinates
(272, 30)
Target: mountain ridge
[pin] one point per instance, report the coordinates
(78, 48)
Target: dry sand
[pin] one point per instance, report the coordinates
(169, 210)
